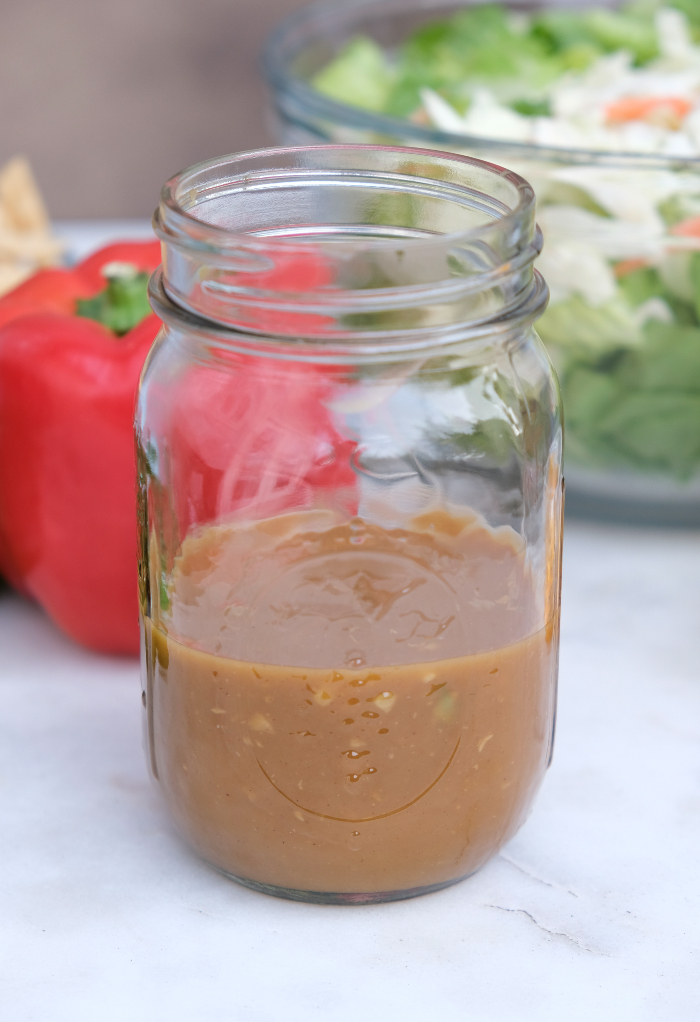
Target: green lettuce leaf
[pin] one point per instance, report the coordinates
(637, 406)
(657, 431)
(642, 284)
(617, 30)
(359, 75)
(589, 332)
(484, 44)
(669, 359)
(478, 45)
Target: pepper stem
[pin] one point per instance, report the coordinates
(123, 303)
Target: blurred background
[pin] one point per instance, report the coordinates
(107, 100)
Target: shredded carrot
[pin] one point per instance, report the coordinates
(665, 111)
(419, 116)
(689, 228)
(621, 269)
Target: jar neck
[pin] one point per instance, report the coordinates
(358, 245)
(473, 342)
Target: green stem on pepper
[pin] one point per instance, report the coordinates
(123, 303)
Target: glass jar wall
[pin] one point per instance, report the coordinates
(349, 453)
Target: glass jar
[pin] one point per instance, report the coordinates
(350, 498)
(621, 256)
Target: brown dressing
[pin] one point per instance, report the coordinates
(406, 741)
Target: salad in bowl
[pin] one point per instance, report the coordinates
(599, 108)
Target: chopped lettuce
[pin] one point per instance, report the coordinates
(655, 431)
(631, 390)
(477, 45)
(641, 284)
(691, 9)
(574, 325)
(359, 75)
(596, 32)
(630, 404)
(695, 281)
(484, 44)
(669, 360)
(616, 30)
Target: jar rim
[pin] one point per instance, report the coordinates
(346, 240)
(178, 214)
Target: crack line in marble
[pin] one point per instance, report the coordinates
(553, 933)
(547, 883)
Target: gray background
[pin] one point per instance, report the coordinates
(108, 98)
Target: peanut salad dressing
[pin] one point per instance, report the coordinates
(334, 706)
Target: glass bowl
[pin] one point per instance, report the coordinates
(629, 366)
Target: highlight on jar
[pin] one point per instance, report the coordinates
(350, 513)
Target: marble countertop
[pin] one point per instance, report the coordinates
(591, 912)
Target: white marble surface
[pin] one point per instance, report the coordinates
(591, 913)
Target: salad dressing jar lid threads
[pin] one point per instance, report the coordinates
(351, 243)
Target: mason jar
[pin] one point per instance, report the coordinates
(350, 503)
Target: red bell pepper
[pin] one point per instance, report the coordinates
(57, 290)
(144, 255)
(67, 390)
(259, 446)
(261, 442)
(67, 473)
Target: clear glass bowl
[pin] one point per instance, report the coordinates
(629, 369)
